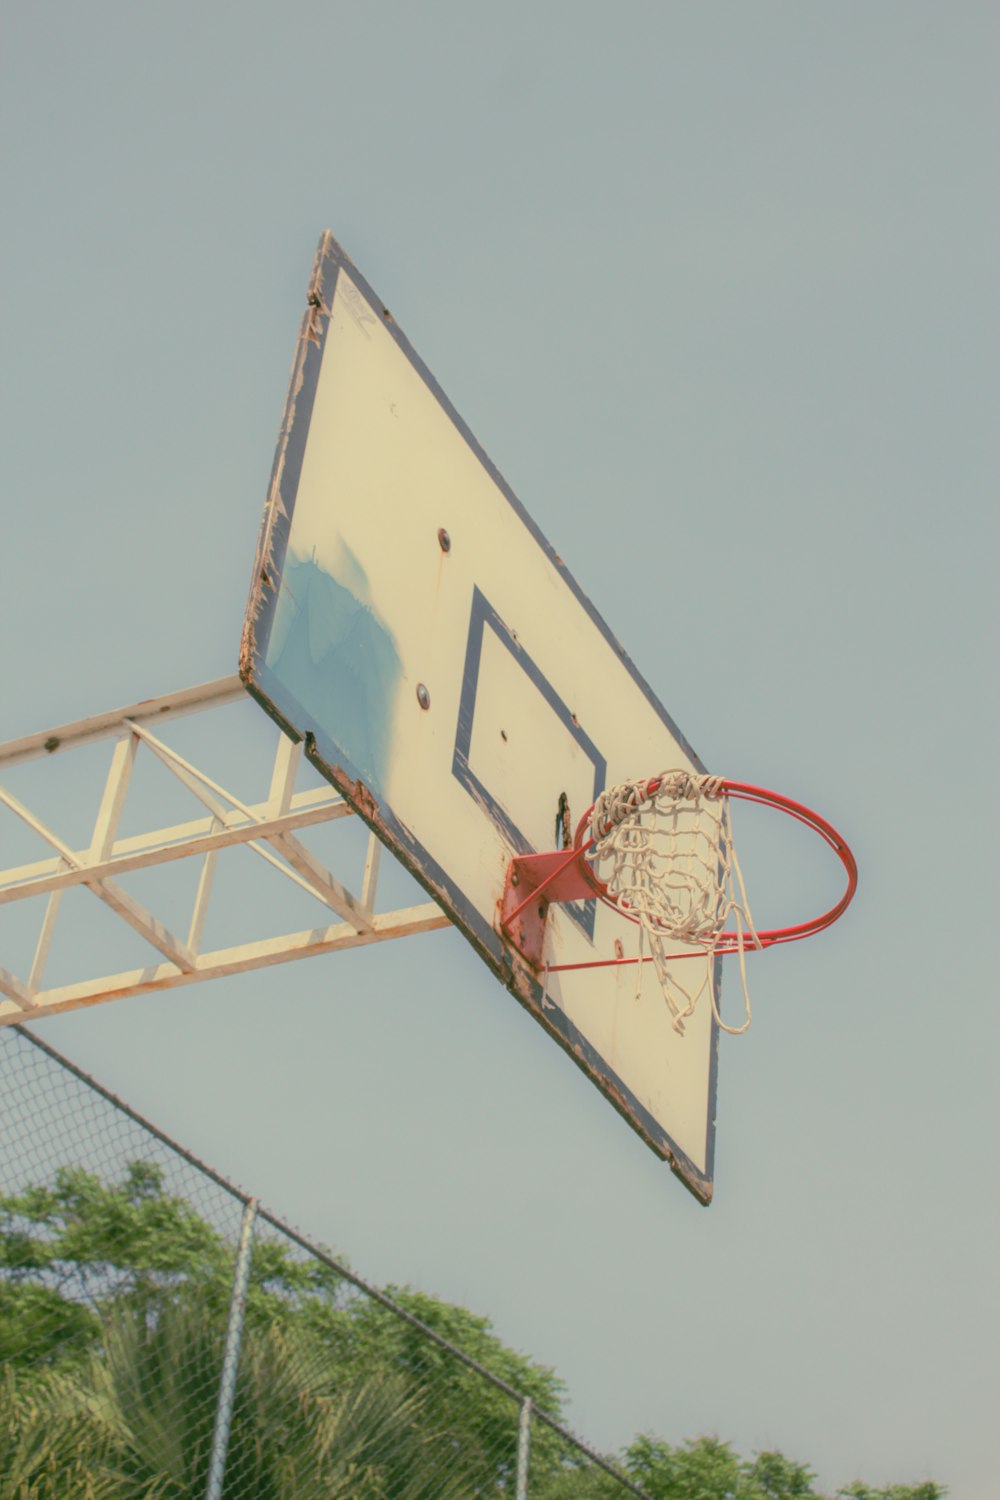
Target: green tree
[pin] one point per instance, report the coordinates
(47, 1447)
(705, 1469)
(137, 1418)
(85, 1266)
(113, 1306)
(485, 1416)
(780, 1478)
(576, 1480)
(927, 1490)
(71, 1249)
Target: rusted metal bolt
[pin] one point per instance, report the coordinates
(444, 539)
(515, 879)
(423, 696)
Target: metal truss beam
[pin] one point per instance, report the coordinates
(268, 828)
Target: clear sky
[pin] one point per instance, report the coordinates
(715, 288)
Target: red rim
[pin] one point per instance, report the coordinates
(729, 942)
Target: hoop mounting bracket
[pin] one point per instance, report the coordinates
(532, 883)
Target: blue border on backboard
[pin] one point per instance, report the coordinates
(295, 719)
(484, 616)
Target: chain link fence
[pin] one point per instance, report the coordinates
(162, 1334)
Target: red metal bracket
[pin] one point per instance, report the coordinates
(533, 882)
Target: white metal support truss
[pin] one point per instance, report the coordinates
(267, 828)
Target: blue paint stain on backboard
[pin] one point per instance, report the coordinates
(328, 648)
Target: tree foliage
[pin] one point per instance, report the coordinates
(137, 1419)
(114, 1301)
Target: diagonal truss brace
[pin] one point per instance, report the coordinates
(267, 828)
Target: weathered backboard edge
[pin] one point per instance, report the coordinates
(522, 982)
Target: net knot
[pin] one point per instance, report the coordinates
(687, 787)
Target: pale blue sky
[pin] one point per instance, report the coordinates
(723, 275)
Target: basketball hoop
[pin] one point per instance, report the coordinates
(659, 851)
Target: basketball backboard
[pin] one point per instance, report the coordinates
(409, 622)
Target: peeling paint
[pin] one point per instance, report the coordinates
(364, 801)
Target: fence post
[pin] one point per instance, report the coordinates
(230, 1359)
(523, 1448)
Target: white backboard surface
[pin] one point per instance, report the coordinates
(407, 619)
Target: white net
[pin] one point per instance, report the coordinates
(663, 847)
